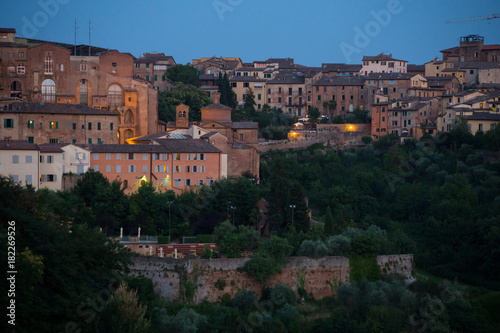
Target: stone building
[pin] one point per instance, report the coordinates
(472, 49)
(152, 67)
(383, 63)
(287, 91)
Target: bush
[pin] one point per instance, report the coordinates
(281, 295)
(338, 245)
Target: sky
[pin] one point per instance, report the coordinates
(310, 31)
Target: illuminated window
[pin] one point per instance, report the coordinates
(115, 95)
(113, 68)
(48, 91)
(177, 168)
(31, 124)
(177, 157)
(54, 125)
(49, 65)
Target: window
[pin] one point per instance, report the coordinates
(234, 84)
(21, 69)
(90, 141)
(188, 182)
(115, 95)
(241, 136)
(41, 158)
(177, 182)
(319, 98)
(177, 168)
(383, 118)
(144, 168)
(201, 182)
(61, 67)
(28, 179)
(50, 158)
(246, 84)
(89, 126)
(108, 168)
(147, 77)
(15, 159)
(352, 97)
(83, 67)
(113, 68)
(53, 140)
(49, 65)
(31, 139)
(11, 69)
(111, 126)
(481, 127)
(343, 98)
(188, 168)
(118, 156)
(108, 156)
(156, 77)
(54, 125)
(48, 91)
(132, 168)
(15, 178)
(99, 141)
(95, 156)
(471, 71)
(259, 97)
(177, 156)
(31, 124)
(279, 99)
(20, 55)
(131, 156)
(98, 126)
(118, 168)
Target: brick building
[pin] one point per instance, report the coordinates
(472, 49)
(347, 91)
(152, 67)
(54, 123)
(287, 91)
(240, 85)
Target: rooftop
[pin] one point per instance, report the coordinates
(52, 108)
(340, 81)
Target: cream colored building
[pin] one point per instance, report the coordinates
(383, 63)
(241, 84)
(51, 166)
(19, 160)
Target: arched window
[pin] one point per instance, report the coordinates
(129, 134)
(48, 91)
(128, 117)
(49, 65)
(115, 95)
(84, 88)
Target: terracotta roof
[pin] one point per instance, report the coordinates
(287, 78)
(124, 148)
(53, 108)
(454, 49)
(250, 69)
(207, 77)
(10, 44)
(390, 76)
(18, 145)
(477, 65)
(454, 69)
(153, 58)
(491, 47)
(209, 134)
(415, 68)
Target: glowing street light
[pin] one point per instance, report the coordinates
(233, 208)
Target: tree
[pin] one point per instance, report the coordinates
(301, 211)
(227, 97)
(329, 222)
(249, 102)
(187, 94)
(185, 74)
(313, 114)
(330, 106)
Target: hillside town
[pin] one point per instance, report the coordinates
(67, 108)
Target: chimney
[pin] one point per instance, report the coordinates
(216, 97)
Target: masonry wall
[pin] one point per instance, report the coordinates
(168, 275)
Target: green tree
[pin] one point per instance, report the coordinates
(187, 94)
(228, 97)
(301, 211)
(313, 114)
(186, 74)
(329, 231)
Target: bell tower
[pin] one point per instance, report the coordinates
(182, 116)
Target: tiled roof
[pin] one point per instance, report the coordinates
(483, 116)
(250, 69)
(390, 76)
(187, 146)
(414, 107)
(124, 148)
(56, 109)
(153, 58)
(239, 145)
(381, 57)
(415, 68)
(491, 47)
(207, 77)
(209, 134)
(152, 136)
(454, 69)
(245, 125)
(246, 79)
(10, 44)
(340, 81)
(477, 65)
(18, 145)
(51, 147)
(7, 30)
(287, 78)
(217, 106)
(454, 49)
(333, 67)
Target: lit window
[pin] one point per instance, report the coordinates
(115, 95)
(54, 125)
(21, 69)
(49, 65)
(48, 91)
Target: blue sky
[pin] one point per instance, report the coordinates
(312, 32)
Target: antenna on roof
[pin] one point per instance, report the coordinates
(75, 34)
(90, 28)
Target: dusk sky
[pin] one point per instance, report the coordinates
(312, 32)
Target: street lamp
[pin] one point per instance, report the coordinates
(227, 204)
(292, 207)
(169, 204)
(233, 208)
